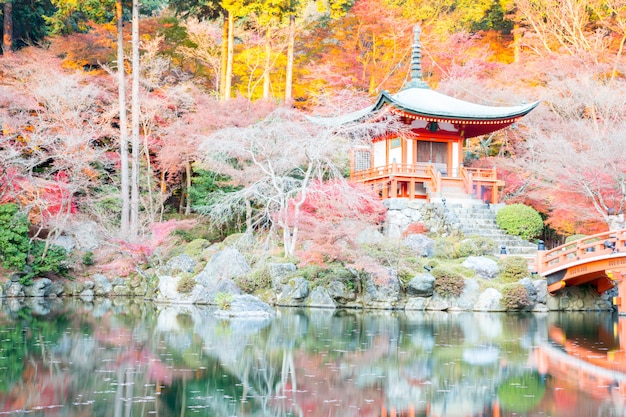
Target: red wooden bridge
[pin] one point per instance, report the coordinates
(598, 260)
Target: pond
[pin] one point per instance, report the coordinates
(127, 358)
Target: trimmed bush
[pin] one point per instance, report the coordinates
(515, 297)
(520, 220)
(513, 268)
(186, 284)
(447, 282)
(258, 279)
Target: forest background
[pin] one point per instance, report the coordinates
(216, 93)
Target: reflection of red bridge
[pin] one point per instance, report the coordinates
(598, 260)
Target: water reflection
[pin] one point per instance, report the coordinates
(121, 358)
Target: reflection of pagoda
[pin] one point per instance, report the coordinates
(427, 160)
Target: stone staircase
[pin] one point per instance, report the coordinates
(480, 219)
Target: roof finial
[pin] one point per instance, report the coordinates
(416, 62)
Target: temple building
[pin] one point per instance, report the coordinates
(426, 160)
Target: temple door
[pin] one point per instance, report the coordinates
(435, 153)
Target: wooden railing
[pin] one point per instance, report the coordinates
(601, 244)
(426, 173)
(475, 177)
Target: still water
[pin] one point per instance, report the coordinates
(119, 358)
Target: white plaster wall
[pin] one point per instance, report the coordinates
(455, 159)
(380, 154)
(395, 153)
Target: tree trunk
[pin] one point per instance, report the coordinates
(230, 56)
(290, 49)
(121, 91)
(134, 195)
(7, 39)
(268, 63)
(224, 63)
(188, 184)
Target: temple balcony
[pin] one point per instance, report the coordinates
(425, 181)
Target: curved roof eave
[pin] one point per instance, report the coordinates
(429, 103)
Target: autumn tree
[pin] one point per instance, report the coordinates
(275, 162)
(576, 149)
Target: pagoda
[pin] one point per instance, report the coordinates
(426, 160)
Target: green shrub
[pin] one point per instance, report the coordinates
(515, 297)
(18, 253)
(475, 246)
(572, 238)
(88, 258)
(223, 300)
(447, 282)
(520, 220)
(513, 268)
(259, 279)
(186, 284)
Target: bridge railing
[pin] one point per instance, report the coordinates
(588, 247)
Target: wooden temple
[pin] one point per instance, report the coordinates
(425, 161)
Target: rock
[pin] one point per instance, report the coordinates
(489, 300)
(66, 242)
(469, 296)
(320, 297)
(180, 263)
(168, 290)
(437, 303)
(121, 290)
(369, 236)
(102, 286)
(14, 289)
(73, 288)
(382, 290)
(417, 303)
(484, 267)
(294, 292)
(396, 203)
(541, 287)
(90, 285)
(225, 264)
(278, 273)
(530, 289)
(39, 288)
(422, 245)
(206, 295)
(540, 308)
(421, 285)
(246, 305)
(339, 292)
(56, 289)
(85, 234)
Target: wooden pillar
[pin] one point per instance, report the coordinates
(494, 194)
(620, 300)
(412, 190)
(393, 193)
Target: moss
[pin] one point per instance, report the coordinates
(448, 283)
(186, 284)
(195, 248)
(259, 279)
(513, 268)
(515, 297)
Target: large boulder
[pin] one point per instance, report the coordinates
(422, 285)
(279, 272)
(489, 300)
(225, 264)
(422, 245)
(102, 286)
(484, 267)
(206, 295)
(339, 292)
(320, 297)
(179, 264)
(39, 288)
(294, 292)
(246, 305)
(382, 289)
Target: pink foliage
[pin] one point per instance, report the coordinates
(331, 217)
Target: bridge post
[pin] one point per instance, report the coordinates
(620, 300)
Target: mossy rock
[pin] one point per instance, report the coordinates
(195, 248)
